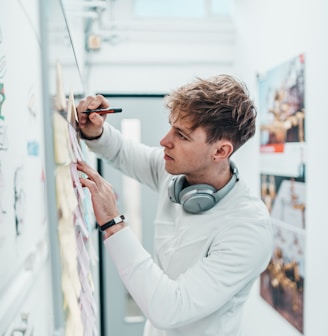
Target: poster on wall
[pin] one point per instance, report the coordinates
(283, 185)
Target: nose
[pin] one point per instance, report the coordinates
(166, 140)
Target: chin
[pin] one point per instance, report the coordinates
(170, 170)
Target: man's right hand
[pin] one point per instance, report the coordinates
(91, 124)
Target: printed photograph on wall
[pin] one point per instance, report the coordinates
(285, 198)
(283, 185)
(282, 284)
(281, 100)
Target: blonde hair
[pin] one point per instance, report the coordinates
(221, 105)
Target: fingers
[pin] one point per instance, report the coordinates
(92, 173)
(102, 194)
(95, 182)
(91, 124)
(92, 102)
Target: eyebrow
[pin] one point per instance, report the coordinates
(186, 131)
(183, 131)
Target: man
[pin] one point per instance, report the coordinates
(212, 237)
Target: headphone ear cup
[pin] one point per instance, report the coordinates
(174, 188)
(198, 198)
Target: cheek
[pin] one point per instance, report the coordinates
(200, 155)
(195, 155)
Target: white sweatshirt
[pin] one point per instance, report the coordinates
(204, 265)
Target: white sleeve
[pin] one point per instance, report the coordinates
(138, 161)
(144, 280)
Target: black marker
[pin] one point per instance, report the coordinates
(104, 110)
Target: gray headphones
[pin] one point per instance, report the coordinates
(199, 197)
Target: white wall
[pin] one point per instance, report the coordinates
(316, 76)
(155, 68)
(269, 33)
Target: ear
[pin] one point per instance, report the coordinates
(224, 149)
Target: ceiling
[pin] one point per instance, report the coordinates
(147, 21)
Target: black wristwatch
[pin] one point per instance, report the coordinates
(112, 222)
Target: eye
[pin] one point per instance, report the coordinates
(182, 136)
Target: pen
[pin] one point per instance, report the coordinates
(104, 110)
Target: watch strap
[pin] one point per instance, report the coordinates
(112, 222)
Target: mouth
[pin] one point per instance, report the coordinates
(167, 157)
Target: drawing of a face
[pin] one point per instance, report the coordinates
(20, 200)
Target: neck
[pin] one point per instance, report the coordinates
(218, 178)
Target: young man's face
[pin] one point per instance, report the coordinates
(186, 152)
